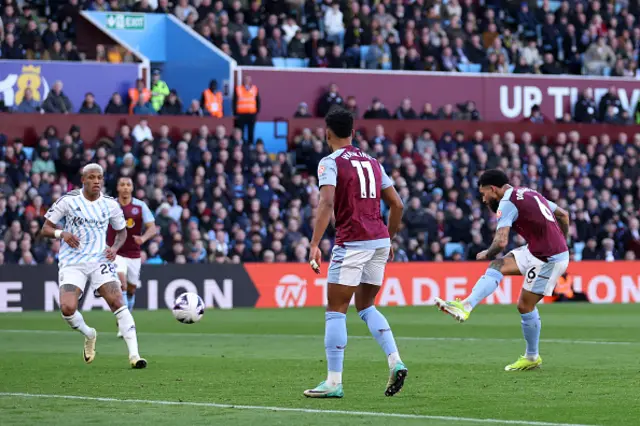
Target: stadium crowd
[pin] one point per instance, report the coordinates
(219, 199)
(495, 36)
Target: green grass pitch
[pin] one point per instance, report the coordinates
(266, 358)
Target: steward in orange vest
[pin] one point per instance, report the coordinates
(211, 100)
(135, 92)
(246, 106)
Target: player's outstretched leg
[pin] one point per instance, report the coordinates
(381, 331)
(486, 285)
(335, 341)
(127, 326)
(69, 295)
(123, 283)
(131, 296)
(531, 326)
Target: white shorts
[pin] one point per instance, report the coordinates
(130, 268)
(96, 273)
(354, 266)
(539, 277)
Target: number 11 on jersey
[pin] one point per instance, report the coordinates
(360, 167)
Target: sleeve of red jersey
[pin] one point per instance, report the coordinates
(327, 172)
(507, 214)
(147, 216)
(386, 180)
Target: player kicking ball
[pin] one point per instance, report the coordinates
(128, 263)
(86, 257)
(351, 185)
(542, 261)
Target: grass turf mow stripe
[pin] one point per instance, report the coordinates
(285, 409)
(313, 336)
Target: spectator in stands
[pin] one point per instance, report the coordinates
(115, 105)
(28, 104)
(246, 106)
(138, 95)
(296, 46)
(172, 105)
(352, 105)
(211, 99)
(319, 59)
(277, 45)
(184, 10)
(611, 98)
(143, 107)
(57, 102)
(290, 28)
(536, 115)
(598, 57)
(55, 53)
(333, 23)
(585, 110)
(379, 55)
(330, 98)
(405, 111)
(159, 90)
(142, 132)
(259, 41)
(195, 110)
(263, 59)
(302, 111)
(70, 52)
(376, 111)
(337, 59)
(89, 105)
(11, 49)
(550, 65)
(51, 35)
(43, 163)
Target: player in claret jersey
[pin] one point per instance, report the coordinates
(137, 217)
(542, 261)
(351, 186)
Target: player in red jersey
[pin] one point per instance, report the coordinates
(542, 261)
(351, 186)
(137, 216)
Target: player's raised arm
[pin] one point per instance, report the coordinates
(392, 199)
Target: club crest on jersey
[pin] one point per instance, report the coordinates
(320, 170)
(135, 210)
(499, 214)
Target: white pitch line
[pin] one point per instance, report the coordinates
(287, 409)
(313, 336)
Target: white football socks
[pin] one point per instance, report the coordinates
(393, 359)
(127, 327)
(76, 321)
(334, 378)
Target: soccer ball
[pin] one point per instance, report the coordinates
(188, 308)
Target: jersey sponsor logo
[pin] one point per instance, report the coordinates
(321, 170)
(135, 210)
(131, 223)
(291, 291)
(81, 221)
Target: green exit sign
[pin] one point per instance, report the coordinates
(125, 21)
